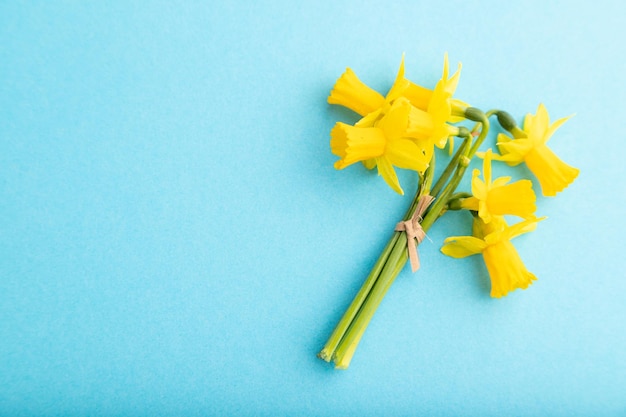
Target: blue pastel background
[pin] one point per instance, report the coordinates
(175, 241)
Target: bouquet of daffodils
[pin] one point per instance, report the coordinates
(402, 129)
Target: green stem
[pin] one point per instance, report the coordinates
(483, 134)
(423, 189)
(459, 195)
(436, 209)
(331, 345)
(348, 333)
(328, 352)
(445, 175)
(349, 343)
(397, 260)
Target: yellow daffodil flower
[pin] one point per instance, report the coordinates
(498, 197)
(436, 104)
(386, 141)
(431, 109)
(349, 91)
(429, 116)
(553, 174)
(493, 240)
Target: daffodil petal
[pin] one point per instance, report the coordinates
(453, 82)
(418, 96)
(513, 152)
(487, 168)
(400, 84)
(444, 76)
(536, 125)
(500, 181)
(479, 188)
(554, 126)
(502, 138)
(511, 232)
(396, 121)
(404, 153)
(483, 211)
(385, 170)
(370, 119)
(462, 246)
(516, 199)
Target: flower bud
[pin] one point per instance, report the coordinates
(474, 114)
(506, 120)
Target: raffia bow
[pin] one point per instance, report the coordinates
(413, 229)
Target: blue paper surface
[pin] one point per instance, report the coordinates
(175, 240)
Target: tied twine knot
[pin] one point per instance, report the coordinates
(413, 229)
